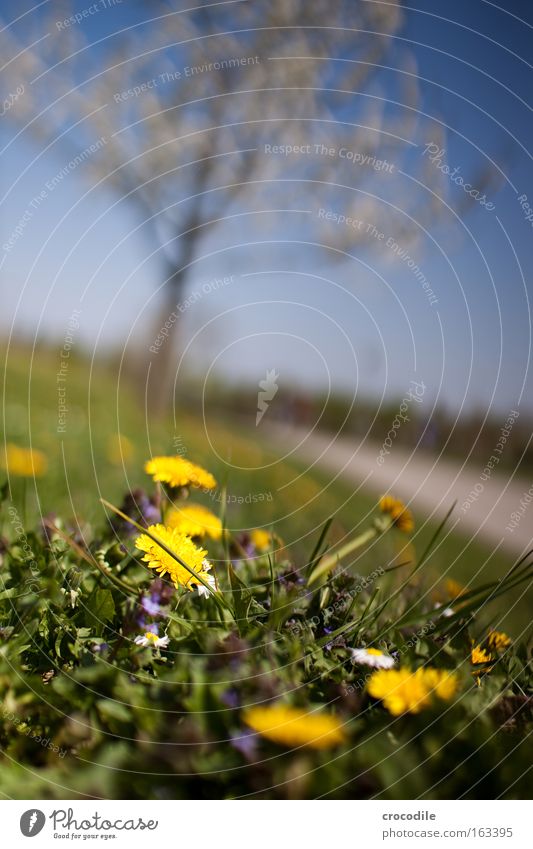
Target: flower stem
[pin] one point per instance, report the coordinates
(329, 561)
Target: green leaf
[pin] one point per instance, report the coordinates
(57, 645)
(101, 607)
(109, 709)
(241, 597)
(12, 592)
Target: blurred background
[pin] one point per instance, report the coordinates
(286, 239)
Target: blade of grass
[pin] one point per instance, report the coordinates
(317, 553)
(333, 558)
(398, 566)
(367, 610)
(345, 628)
(272, 582)
(225, 533)
(427, 551)
(474, 600)
(240, 598)
(478, 598)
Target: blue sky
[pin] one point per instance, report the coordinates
(362, 325)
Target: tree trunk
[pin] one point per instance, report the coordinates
(163, 347)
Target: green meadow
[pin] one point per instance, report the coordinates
(256, 488)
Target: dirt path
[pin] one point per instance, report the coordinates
(428, 485)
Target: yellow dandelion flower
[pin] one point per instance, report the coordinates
(401, 517)
(442, 684)
(163, 563)
(177, 472)
(480, 655)
(261, 540)
(119, 449)
(498, 641)
(195, 520)
(291, 726)
(453, 588)
(24, 462)
(404, 691)
(399, 690)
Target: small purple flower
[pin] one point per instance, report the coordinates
(338, 642)
(151, 607)
(246, 743)
(154, 604)
(244, 549)
(151, 513)
(140, 507)
(161, 592)
(291, 579)
(230, 698)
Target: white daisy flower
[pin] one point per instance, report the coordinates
(150, 639)
(372, 657)
(203, 591)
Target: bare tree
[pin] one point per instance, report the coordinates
(233, 103)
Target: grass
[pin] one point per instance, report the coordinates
(282, 495)
(117, 683)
